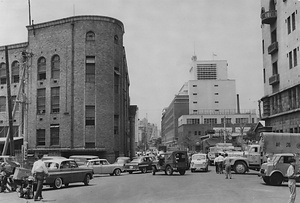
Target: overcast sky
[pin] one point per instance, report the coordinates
(160, 38)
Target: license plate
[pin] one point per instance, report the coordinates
(131, 167)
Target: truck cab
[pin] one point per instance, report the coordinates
(274, 172)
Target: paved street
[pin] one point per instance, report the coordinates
(206, 187)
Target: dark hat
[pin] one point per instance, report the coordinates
(292, 160)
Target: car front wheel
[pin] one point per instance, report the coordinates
(58, 183)
(117, 172)
(86, 179)
(169, 170)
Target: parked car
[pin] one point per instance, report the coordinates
(121, 161)
(199, 162)
(82, 159)
(66, 171)
(169, 162)
(52, 157)
(142, 163)
(102, 166)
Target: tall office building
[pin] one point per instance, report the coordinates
(212, 100)
(280, 23)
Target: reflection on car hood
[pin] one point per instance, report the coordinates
(199, 161)
(132, 164)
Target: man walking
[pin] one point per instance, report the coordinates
(39, 171)
(227, 166)
(291, 174)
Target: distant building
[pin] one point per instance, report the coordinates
(212, 102)
(148, 134)
(280, 25)
(77, 88)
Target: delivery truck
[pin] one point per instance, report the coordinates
(270, 144)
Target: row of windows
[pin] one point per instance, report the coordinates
(55, 68)
(15, 75)
(214, 120)
(41, 100)
(291, 23)
(90, 36)
(3, 104)
(292, 55)
(54, 135)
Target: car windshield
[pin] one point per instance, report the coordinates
(198, 156)
(275, 158)
(136, 160)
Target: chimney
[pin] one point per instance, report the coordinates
(238, 103)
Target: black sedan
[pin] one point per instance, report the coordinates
(142, 163)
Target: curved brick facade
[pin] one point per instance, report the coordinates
(92, 77)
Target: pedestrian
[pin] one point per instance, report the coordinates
(291, 174)
(227, 166)
(219, 163)
(216, 163)
(39, 171)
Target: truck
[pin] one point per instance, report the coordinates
(270, 145)
(215, 150)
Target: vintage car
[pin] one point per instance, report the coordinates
(142, 163)
(82, 159)
(66, 171)
(102, 166)
(199, 162)
(121, 161)
(169, 162)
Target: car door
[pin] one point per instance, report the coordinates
(77, 174)
(283, 164)
(106, 167)
(66, 172)
(96, 166)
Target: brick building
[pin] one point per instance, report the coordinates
(77, 87)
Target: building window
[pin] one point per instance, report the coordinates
(194, 93)
(40, 137)
(41, 68)
(54, 134)
(15, 74)
(241, 120)
(295, 57)
(90, 145)
(216, 85)
(194, 85)
(263, 46)
(55, 100)
(90, 69)
(41, 101)
(290, 60)
(2, 104)
(264, 75)
(194, 102)
(55, 67)
(191, 121)
(116, 83)
(2, 73)
(210, 121)
(227, 120)
(216, 102)
(116, 39)
(293, 22)
(216, 93)
(89, 115)
(90, 36)
(289, 25)
(116, 124)
(206, 71)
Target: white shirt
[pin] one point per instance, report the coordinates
(39, 166)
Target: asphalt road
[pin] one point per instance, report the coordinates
(207, 187)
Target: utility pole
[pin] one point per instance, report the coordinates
(224, 129)
(10, 119)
